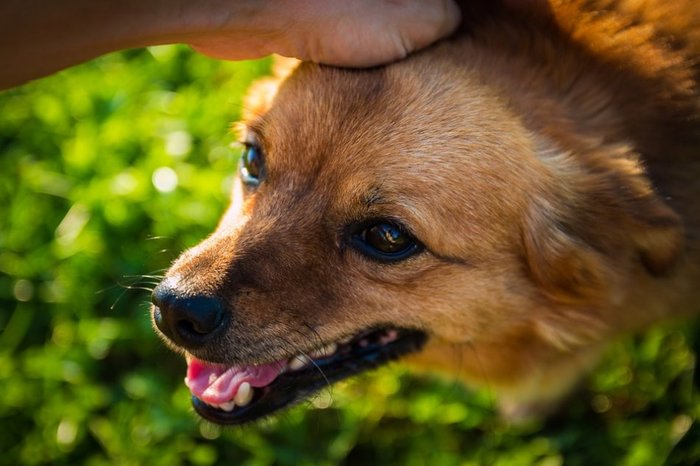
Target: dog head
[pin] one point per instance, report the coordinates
(379, 208)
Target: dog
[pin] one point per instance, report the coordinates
(497, 207)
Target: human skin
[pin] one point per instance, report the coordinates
(40, 37)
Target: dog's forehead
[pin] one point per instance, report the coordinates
(420, 112)
(321, 114)
(396, 134)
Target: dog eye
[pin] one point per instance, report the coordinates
(385, 241)
(251, 165)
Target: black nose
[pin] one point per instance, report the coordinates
(189, 321)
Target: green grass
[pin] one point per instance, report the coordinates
(83, 378)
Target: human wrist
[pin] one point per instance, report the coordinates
(246, 28)
(58, 34)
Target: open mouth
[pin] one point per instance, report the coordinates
(236, 395)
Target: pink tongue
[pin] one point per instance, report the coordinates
(216, 384)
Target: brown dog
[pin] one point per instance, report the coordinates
(505, 202)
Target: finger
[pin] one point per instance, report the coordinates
(379, 32)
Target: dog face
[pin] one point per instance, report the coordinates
(379, 208)
(340, 154)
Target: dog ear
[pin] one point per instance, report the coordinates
(597, 224)
(563, 265)
(658, 233)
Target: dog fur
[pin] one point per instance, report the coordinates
(547, 160)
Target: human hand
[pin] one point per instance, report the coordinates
(356, 33)
(45, 36)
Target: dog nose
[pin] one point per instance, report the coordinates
(189, 321)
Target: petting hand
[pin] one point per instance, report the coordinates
(356, 33)
(40, 37)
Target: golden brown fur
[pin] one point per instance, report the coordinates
(547, 160)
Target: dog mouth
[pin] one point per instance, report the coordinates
(241, 394)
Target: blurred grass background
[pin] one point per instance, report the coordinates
(107, 171)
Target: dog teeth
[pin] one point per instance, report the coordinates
(243, 397)
(244, 394)
(345, 340)
(326, 351)
(330, 349)
(299, 362)
(228, 406)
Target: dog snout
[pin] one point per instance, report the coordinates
(190, 321)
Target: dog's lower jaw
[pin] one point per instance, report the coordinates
(216, 389)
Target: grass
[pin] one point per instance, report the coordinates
(107, 171)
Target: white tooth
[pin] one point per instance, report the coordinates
(228, 406)
(244, 395)
(298, 362)
(329, 349)
(345, 340)
(325, 351)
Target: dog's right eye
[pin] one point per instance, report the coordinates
(251, 165)
(384, 240)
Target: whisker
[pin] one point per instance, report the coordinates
(142, 288)
(156, 277)
(134, 282)
(329, 385)
(297, 350)
(294, 348)
(313, 332)
(114, 304)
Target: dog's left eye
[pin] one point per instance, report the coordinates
(251, 165)
(386, 241)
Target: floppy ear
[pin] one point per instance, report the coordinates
(598, 224)
(659, 236)
(565, 267)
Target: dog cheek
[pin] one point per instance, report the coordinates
(298, 294)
